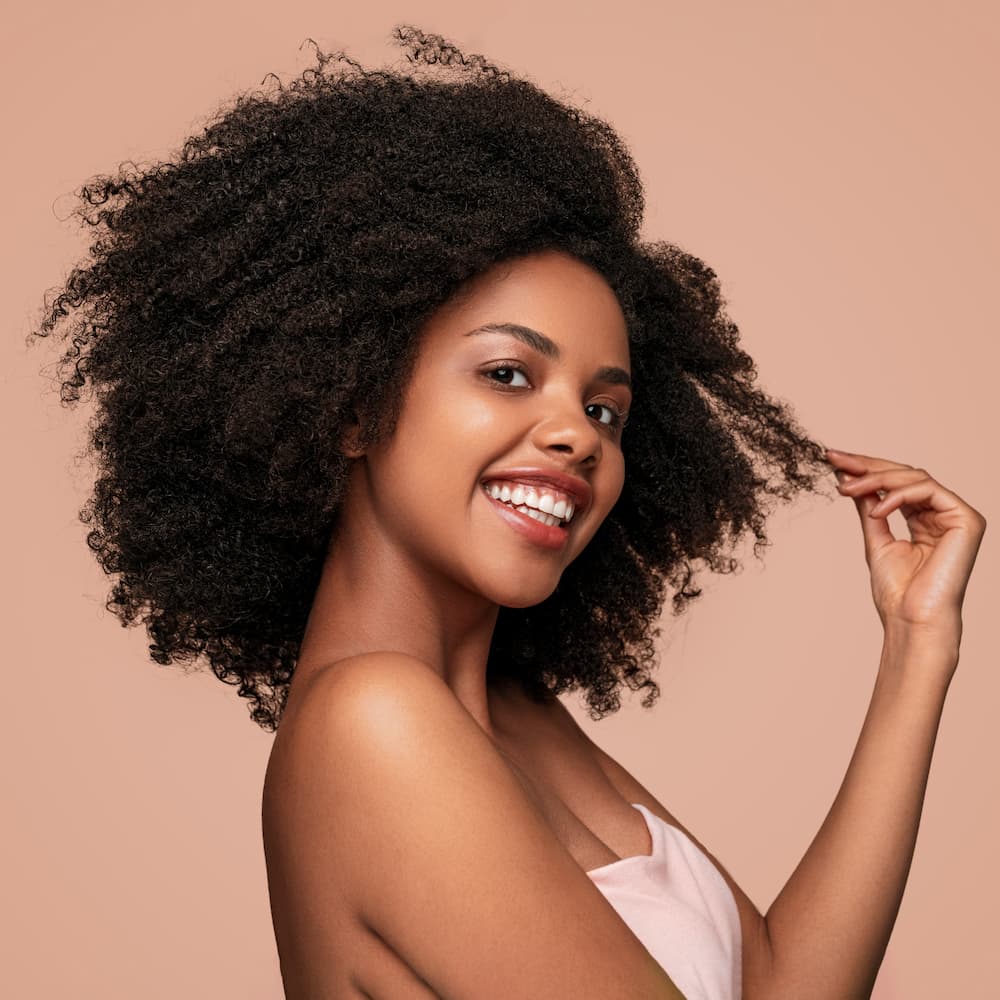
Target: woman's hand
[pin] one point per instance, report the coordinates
(918, 585)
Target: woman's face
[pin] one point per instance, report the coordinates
(484, 406)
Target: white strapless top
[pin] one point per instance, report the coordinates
(680, 907)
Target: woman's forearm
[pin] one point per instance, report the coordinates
(830, 924)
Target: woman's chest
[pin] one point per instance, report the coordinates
(565, 780)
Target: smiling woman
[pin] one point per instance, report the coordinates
(550, 433)
(403, 430)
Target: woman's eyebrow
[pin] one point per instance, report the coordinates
(539, 342)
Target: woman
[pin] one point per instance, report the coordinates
(365, 354)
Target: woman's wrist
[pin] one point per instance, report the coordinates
(919, 654)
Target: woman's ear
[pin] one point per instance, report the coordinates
(349, 438)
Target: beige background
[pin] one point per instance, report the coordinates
(836, 165)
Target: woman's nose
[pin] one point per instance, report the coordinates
(572, 430)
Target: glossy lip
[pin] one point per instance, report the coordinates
(541, 534)
(578, 489)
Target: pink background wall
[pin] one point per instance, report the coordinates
(838, 169)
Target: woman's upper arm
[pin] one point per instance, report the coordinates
(395, 799)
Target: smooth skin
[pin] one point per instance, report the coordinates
(427, 836)
(421, 563)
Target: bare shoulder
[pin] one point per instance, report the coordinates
(391, 809)
(756, 946)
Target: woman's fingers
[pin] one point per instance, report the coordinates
(856, 464)
(882, 479)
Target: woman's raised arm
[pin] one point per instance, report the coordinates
(830, 925)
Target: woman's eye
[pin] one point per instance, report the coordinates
(505, 370)
(499, 374)
(615, 420)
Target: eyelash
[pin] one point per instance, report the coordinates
(619, 421)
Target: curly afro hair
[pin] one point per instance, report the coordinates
(249, 299)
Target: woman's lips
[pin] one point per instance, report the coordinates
(552, 537)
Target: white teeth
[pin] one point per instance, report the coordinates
(539, 515)
(527, 499)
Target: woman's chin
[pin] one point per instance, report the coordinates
(522, 596)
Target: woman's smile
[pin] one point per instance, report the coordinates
(534, 525)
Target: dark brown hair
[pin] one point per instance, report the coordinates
(244, 300)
